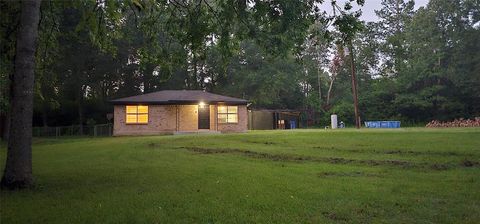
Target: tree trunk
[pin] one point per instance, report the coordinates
(319, 85)
(6, 116)
(80, 111)
(354, 89)
(18, 167)
(5, 126)
(318, 75)
(44, 116)
(195, 70)
(148, 78)
(330, 88)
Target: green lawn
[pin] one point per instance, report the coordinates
(303, 176)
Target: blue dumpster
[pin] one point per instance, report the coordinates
(382, 124)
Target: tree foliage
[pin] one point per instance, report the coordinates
(411, 65)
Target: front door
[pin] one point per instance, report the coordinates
(204, 117)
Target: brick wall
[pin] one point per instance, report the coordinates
(163, 119)
(213, 118)
(187, 117)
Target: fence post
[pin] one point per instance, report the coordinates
(95, 130)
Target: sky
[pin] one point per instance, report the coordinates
(368, 13)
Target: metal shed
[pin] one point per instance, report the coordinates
(269, 119)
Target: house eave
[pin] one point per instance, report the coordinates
(178, 102)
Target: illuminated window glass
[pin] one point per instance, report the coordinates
(222, 118)
(232, 118)
(131, 118)
(131, 109)
(142, 109)
(142, 118)
(136, 114)
(227, 114)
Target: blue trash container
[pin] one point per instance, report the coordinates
(293, 124)
(382, 124)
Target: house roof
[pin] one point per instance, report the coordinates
(179, 97)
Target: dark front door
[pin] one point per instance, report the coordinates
(204, 117)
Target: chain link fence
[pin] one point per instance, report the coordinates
(75, 130)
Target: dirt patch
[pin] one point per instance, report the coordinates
(425, 153)
(207, 150)
(469, 163)
(151, 145)
(437, 166)
(347, 174)
(396, 152)
(297, 158)
(331, 160)
(335, 217)
(262, 142)
(248, 153)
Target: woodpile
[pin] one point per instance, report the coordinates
(455, 123)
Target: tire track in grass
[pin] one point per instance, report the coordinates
(396, 151)
(331, 160)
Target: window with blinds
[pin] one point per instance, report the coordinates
(137, 114)
(227, 114)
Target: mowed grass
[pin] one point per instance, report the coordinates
(302, 176)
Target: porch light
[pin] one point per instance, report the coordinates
(201, 104)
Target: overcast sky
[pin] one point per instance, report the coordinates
(368, 13)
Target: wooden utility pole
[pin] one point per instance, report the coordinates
(354, 87)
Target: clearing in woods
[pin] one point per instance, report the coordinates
(304, 176)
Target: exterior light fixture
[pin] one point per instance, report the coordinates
(201, 104)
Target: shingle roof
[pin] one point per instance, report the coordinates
(179, 97)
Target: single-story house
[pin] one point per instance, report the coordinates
(177, 111)
(267, 119)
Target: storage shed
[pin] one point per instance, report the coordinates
(269, 119)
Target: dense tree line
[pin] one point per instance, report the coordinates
(412, 65)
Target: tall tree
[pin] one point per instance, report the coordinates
(348, 25)
(18, 168)
(9, 20)
(395, 15)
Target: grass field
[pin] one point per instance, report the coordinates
(303, 176)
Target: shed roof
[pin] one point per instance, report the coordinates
(179, 97)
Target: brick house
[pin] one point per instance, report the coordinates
(176, 111)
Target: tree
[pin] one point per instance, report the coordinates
(9, 14)
(439, 80)
(194, 27)
(348, 25)
(18, 168)
(395, 16)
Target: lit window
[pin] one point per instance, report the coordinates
(137, 114)
(227, 114)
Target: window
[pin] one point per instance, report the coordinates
(227, 114)
(137, 114)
